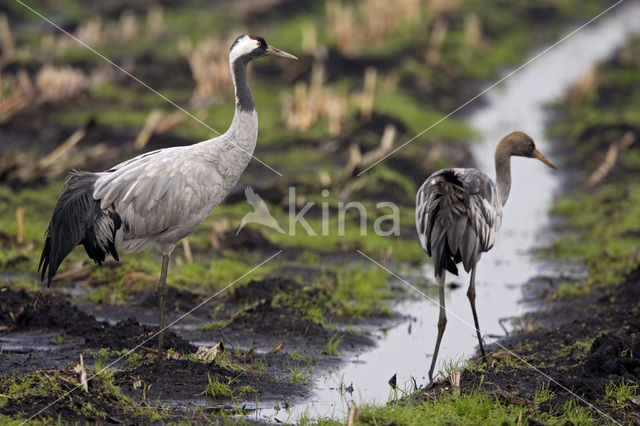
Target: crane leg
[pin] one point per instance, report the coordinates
(471, 294)
(442, 323)
(162, 295)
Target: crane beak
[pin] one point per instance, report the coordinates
(277, 52)
(537, 154)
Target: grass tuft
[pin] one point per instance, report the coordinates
(217, 389)
(301, 374)
(331, 347)
(543, 394)
(618, 395)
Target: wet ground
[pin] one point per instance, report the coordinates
(269, 350)
(578, 347)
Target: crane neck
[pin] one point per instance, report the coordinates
(503, 173)
(243, 132)
(244, 97)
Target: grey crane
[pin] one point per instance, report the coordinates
(161, 196)
(458, 215)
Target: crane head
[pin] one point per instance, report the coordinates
(520, 144)
(249, 47)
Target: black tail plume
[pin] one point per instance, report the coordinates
(445, 259)
(78, 219)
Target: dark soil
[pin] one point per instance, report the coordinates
(176, 300)
(584, 344)
(255, 363)
(22, 311)
(246, 239)
(175, 382)
(70, 409)
(182, 381)
(270, 325)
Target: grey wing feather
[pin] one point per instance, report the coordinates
(457, 217)
(159, 195)
(484, 209)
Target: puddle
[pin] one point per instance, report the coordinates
(25, 343)
(516, 104)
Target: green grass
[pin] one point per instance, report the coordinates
(295, 355)
(575, 413)
(212, 325)
(618, 395)
(301, 374)
(37, 203)
(102, 357)
(217, 389)
(243, 390)
(603, 231)
(418, 117)
(467, 409)
(567, 290)
(42, 421)
(44, 386)
(578, 349)
(331, 348)
(358, 290)
(31, 385)
(215, 274)
(134, 359)
(451, 366)
(604, 220)
(361, 291)
(352, 236)
(543, 394)
(472, 408)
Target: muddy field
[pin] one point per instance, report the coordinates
(49, 333)
(261, 345)
(581, 346)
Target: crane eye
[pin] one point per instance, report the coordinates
(259, 44)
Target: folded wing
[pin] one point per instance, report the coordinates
(457, 217)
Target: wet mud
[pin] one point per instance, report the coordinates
(583, 344)
(45, 334)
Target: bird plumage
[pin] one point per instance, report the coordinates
(78, 219)
(161, 196)
(165, 196)
(458, 215)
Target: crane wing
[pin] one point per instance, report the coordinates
(159, 192)
(483, 206)
(457, 217)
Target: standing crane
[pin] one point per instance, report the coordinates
(161, 196)
(458, 215)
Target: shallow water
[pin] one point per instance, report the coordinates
(516, 104)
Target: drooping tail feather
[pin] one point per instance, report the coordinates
(78, 219)
(441, 220)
